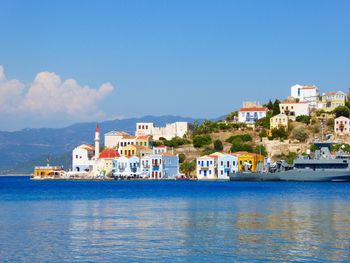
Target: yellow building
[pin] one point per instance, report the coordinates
(47, 172)
(105, 161)
(249, 158)
(331, 100)
(143, 141)
(135, 150)
(279, 121)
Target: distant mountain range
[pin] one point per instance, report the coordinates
(21, 150)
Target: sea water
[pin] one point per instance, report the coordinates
(173, 221)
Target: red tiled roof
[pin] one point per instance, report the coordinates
(109, 153)
(254, 109)
(288, 102)
(129, 137)
(309, 87)
(161, 146)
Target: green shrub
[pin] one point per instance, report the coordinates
(300, 134)
(236, 147)
(201, 140)
(243, 137)
(218, 146)
(279, 133)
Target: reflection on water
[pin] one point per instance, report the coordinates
(226, 224)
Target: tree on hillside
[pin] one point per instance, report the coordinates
(218, 146)
(276, 107)
(269, 105)
(304, 119)
(182, 157)
(342, 111)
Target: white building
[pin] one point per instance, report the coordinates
(294, 109)
(342, 125)
(177, 129)
(206, 168)
(217, 166)
(82, 158)
(113, 138)
(309, 94)
(250, 115)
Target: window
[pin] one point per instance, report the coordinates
(222, 172)
(199, 162)
(207, 163)
(200, 171)
(209, 171)
(76, 156)
(222, 163)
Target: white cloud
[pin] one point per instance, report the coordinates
(49, 96)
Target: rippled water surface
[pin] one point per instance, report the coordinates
(58, 221)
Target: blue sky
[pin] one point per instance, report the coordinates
(188, 58)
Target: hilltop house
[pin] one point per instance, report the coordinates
(294, 109)
(342, 125)
(308, 94)
(279, 121)
(251, 112)
(331, 100)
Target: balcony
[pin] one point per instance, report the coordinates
(204, 168)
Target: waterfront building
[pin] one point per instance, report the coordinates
(331, 100)
(113, 138)
(217, 166)
(251, 112)
(206, 168)
(164, 166)
(48, 172)
(83, 158)
(227, 164)
(308, 94)
(249, 161)
(342, 125)
(279, 121)
(177, 129)
(145, 166)
(104, 164)
(126, 167)
(294, 109)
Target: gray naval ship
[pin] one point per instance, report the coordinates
(321, 167)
